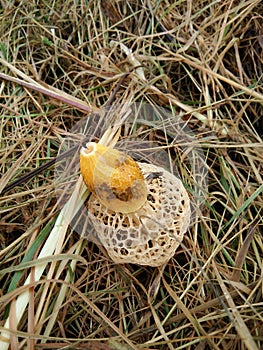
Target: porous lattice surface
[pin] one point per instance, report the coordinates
(150, 235)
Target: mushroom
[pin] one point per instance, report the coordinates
(114, 176)
(149, 234)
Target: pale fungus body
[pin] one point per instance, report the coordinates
(150, 234)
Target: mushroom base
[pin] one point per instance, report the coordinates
(150, 235)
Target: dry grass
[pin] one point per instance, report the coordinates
(204, 63)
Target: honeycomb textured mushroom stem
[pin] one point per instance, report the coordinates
(150, 235)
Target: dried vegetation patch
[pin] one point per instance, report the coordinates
(201, 60)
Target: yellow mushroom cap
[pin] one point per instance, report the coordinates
(114, 177)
